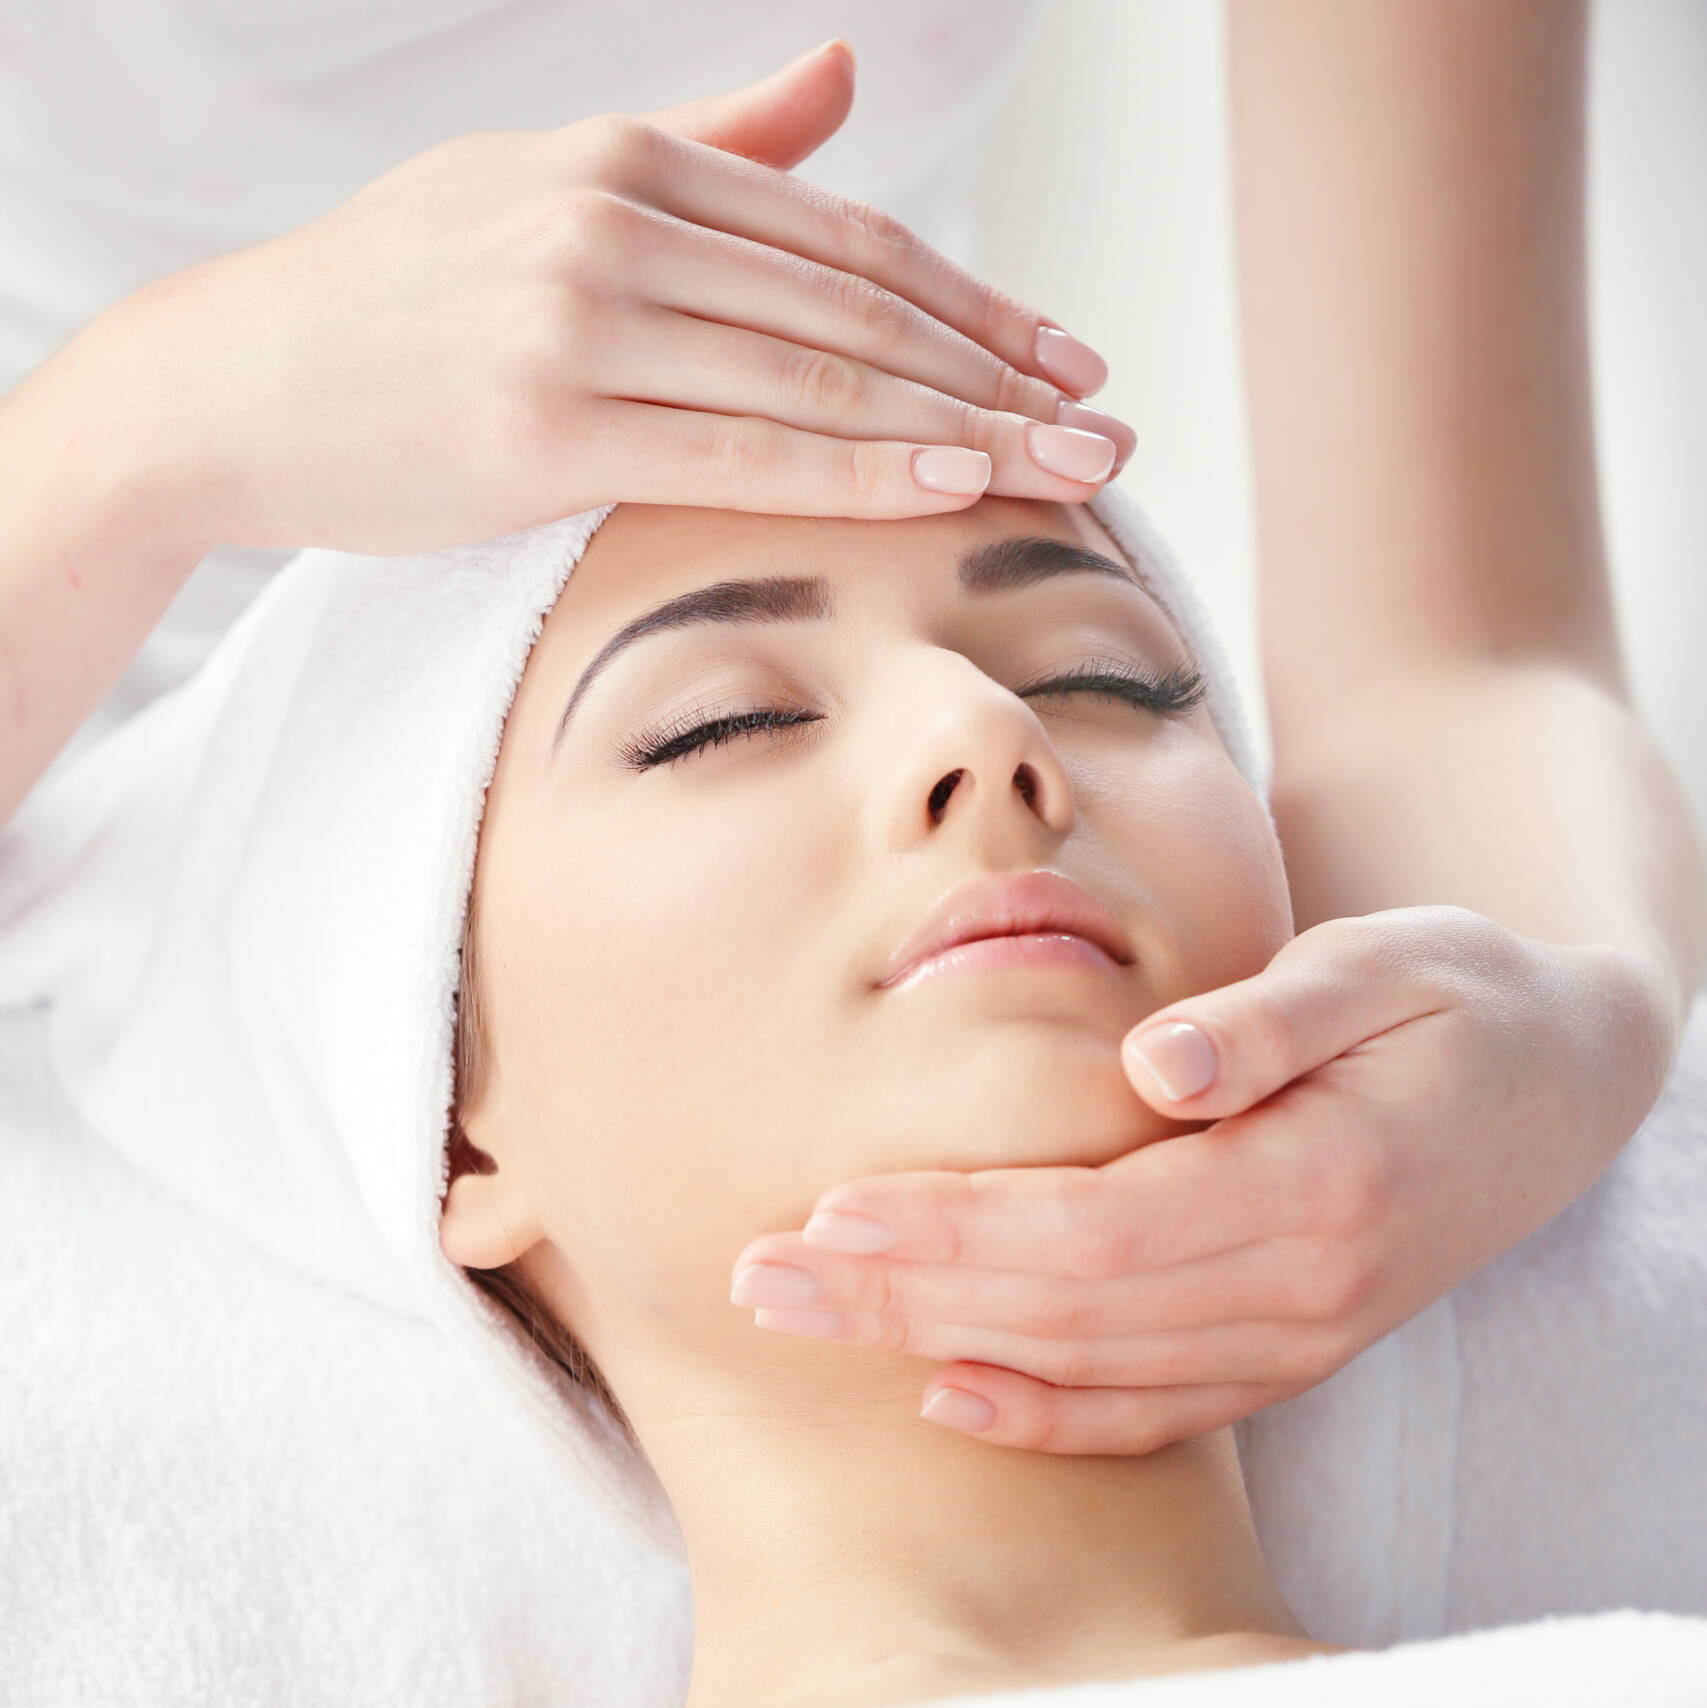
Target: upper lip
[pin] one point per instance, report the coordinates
(1010, 904)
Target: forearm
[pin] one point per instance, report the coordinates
(1529, 794)
(94, 540)
(1444, 682)
(1409, 182)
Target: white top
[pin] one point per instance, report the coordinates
(138, 139)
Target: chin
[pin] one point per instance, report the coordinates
(1044, 1094)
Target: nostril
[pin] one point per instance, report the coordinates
(939, 795)
(1025, 780)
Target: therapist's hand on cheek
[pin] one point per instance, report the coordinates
(1391, 1103)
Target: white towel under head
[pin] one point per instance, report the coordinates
(245, 911)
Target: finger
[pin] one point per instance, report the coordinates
(1302, 1278)
(744, 462)
(717, 276)
(1044, 1419)
(1248, 1178)
(1328, 990)
(1166, 1358)
(781, 118)
(712, 188)
(699, 364)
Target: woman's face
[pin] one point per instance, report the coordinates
(684, 945)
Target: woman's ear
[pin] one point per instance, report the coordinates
(488, 1220)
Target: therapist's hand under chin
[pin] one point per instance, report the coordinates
(1394, 1101)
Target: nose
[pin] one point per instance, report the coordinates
(970, 755)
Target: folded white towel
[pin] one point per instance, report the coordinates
(229, 935)
(1616, 1660)
(1533, 1443)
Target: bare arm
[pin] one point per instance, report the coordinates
(93, 544)
(1445, 685)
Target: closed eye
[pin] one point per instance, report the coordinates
(1171, 693)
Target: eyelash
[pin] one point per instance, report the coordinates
(1171, 694)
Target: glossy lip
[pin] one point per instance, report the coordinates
(1009, 904)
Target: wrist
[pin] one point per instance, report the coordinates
(122, 444)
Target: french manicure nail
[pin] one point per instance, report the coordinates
(951, 468)
(1180, 1058)
(958, 1409)
(776, 1284)
(1071, 365)
(837, 1230)
(1081, 415)
(1070, 452)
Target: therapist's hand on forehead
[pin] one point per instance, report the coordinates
(518, 325)
(1392, 1102)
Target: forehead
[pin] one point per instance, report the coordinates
(645, 553)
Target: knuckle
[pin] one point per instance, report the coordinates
(881, 316)
(616, 148)
(1035, 1428)
(883, 1292)
(877, 236)
(1020, 394)
(1359, 1186)
(1333, 1284)
(869, 469)
(825, 386)
(1059, 1313)
(741, 452)
(1267, 1031)
(1072, 1365)
(542, 355)
(1361, 945)
(889, 1334)
(980, 430)
(593, 224)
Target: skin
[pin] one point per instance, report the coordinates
(686, 1041)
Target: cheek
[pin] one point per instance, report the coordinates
(1212, 872)
(652, 958)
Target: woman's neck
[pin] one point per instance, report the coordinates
(846, 1552)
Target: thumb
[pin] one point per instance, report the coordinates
(777, 121)
(1325, 992)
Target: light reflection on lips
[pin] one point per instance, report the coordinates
(1007, 919)
(1027, 949)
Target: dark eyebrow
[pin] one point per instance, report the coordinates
(997, 566)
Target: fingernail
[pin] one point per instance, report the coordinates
(1066, 450)
(836, 1230)
(1071, 365)
(776, 1284)
(951, 468)
(1181, 1059)
(1081, 415)
(821, 48)
(820, 1325)
(957, 1409)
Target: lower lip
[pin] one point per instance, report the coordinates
(1030, 949)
